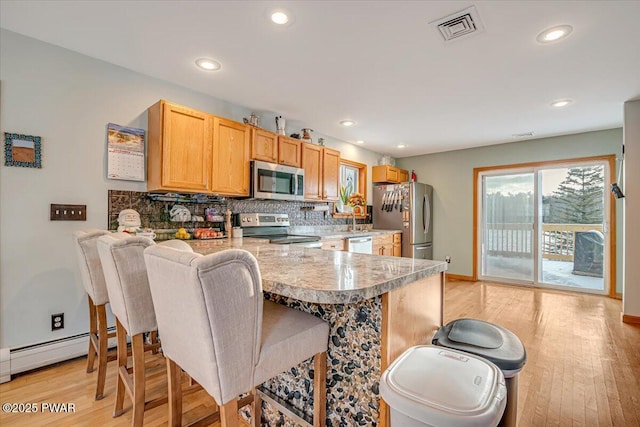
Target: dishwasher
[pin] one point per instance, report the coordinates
(361, 245)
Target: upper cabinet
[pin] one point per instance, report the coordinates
(321, 172)
(312, 165)
(389, 174)
(330, 174)
(179, 148)
(264, 145)
(191, 151)
(231, 147)
(273, 148)
(289, 151)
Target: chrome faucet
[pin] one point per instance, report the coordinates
(354, 227)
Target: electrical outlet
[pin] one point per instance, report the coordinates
(57, 321)
(448, 259)
(68, 212)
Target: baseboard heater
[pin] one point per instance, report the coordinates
(29, 357)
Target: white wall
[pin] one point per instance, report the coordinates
(631, 296)
(68, 99)
(451, 174)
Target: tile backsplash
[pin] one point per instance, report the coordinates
(154, 213)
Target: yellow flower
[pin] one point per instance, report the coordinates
(356, 199)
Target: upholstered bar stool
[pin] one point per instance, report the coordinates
(217, 327)
(93, 282)
(128, 287)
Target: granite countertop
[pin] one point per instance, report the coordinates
(325, 277)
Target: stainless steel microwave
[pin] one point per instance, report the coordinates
(278, 182)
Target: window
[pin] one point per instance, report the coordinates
(352, 179)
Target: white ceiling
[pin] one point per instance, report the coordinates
(379, 63)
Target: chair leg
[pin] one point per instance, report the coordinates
(229, 413)
(121, 335)
(93, 334)
(137, 346)
(174, 374)
(320, 389)
(256, 409)
(102, 349)
(153, 337)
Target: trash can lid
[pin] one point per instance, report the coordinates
(493, 342)
(444, 387)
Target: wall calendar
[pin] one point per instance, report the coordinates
(125, 159)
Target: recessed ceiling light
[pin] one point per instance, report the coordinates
(561, 103)
(401, 146)
(359, 141)
(279, 17)
(554, 33)
(347, 123)
(208, 64)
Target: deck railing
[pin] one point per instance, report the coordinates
(557, 240)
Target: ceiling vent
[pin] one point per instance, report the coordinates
(459, 25)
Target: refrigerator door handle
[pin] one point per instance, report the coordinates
(426, 213)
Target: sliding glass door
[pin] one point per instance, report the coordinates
(572, 232)
(507, 229)
(545, 226)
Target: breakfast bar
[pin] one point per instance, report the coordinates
(376, 307)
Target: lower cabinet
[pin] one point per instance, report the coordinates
(383, 245)
(334, 244)
(397, 244)
(388, 244)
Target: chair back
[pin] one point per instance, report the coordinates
(209, 311)
(91, 271)
(127, 284)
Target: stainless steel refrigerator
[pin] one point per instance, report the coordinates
(407, 207)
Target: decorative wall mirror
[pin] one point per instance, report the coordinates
(352, 179)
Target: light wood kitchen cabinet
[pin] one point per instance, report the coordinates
(179, 148)
(397, 244)
(289, 151)
(321, 172)
(312, 165)
(330, 174)
(264, 145)
(231, 149)
(387, 244)
(389, 174)
(333, 244)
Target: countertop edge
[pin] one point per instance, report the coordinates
(318, 296)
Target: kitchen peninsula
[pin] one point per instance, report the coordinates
(376, 308)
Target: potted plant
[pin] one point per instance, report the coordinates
(343, 203)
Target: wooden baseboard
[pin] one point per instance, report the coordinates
(459, 277)
(632, 320)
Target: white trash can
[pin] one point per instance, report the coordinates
(429, 386)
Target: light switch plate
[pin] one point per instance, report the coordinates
(68, 212)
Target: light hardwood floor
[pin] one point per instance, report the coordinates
(583, 363)
(583, 366)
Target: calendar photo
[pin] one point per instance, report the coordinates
(125, 153)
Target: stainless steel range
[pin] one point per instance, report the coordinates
(275, 228)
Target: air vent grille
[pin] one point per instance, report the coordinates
(460, 24)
